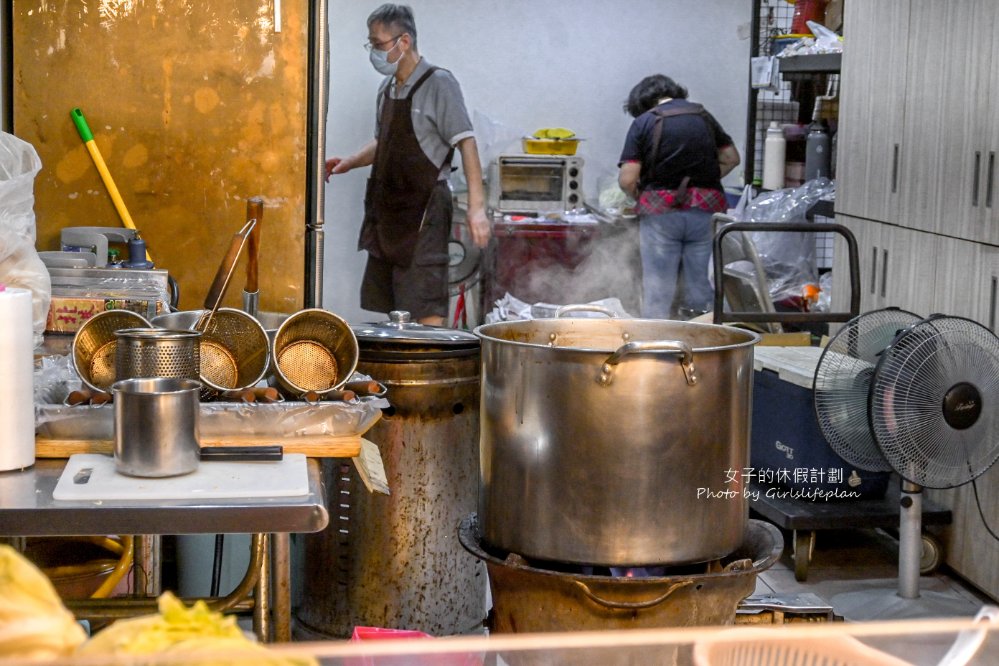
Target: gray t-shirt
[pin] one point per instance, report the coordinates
(440, 118)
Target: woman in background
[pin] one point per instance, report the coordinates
(674, 158)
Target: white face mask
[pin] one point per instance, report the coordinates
(379, 60)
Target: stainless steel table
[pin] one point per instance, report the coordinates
(28, 509)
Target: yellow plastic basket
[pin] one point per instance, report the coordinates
(533, 146)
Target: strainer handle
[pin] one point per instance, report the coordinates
(221, 282)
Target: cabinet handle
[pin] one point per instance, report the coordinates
(884, 272)
(992, 304)
(894, 171)
(874, 270)
(988, 182)
(978, 172)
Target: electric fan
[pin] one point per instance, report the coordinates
(463, 271)
(919, 396)
(463, 259)
(842, 382)
(932, 411)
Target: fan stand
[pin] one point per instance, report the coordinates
(907, 601)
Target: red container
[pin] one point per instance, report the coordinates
(807, 10)
(404, 659)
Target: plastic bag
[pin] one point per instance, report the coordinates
(823, 41)
(787, 257)
(738, 214)
(826, 41)
(20, 265)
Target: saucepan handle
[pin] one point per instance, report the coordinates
(668, 346)
(631, 605)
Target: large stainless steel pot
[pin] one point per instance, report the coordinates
(614, 441)
(395, 560)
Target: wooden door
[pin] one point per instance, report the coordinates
(195, 106)
(872, 109)
(958, 286)
(870, 253)
(907, 273)
(987, 296)
(944, 155)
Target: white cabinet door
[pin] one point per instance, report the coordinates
(987, 301)
(958, 287)
(945, 152)
(872, 108)
(870, 253)
(989, 229)
(907, 270)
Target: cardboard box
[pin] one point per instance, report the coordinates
(67, 313)
(834, 15)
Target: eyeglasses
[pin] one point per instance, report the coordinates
(368, 46)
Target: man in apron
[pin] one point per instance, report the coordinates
(407, 205)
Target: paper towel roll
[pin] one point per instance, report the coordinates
(17, 402)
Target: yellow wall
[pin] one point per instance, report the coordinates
(195, 106)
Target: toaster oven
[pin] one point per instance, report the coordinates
(529, 184)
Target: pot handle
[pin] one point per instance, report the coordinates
(585, 307)
(630, 605)
(673, 346)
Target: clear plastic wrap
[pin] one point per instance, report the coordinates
(55, 378)
(223, 419)
(788, 257)
(20, 265)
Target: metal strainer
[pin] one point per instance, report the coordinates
(314, 350)
(156, 352)
(95, 345)
(235, 353)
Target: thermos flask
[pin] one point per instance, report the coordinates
(817, 152)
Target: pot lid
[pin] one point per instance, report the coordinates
(399, 331)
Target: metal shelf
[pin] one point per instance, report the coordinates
(819, 63)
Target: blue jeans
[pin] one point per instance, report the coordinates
(666, 240)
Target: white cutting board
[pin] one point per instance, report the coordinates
(212, 480)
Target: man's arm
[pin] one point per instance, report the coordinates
(728, 159)
(476, 215)
(363, 157)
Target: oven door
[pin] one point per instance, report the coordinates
(531, 185)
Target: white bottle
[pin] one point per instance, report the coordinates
(774, 150)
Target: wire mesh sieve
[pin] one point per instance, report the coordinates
(235, 353)
(95, 346)
(156, 352)
(314, 350)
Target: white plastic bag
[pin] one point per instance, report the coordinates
(20, 265)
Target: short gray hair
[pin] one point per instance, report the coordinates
(399, 17)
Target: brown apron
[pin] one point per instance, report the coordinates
(402, 180)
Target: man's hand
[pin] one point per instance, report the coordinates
(362, 158)
(336, 165)
(478, 223)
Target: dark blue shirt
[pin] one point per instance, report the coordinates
(688, 146)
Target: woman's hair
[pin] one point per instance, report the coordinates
(395, 17)
(649, 91)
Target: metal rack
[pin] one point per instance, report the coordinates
(802, 79)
